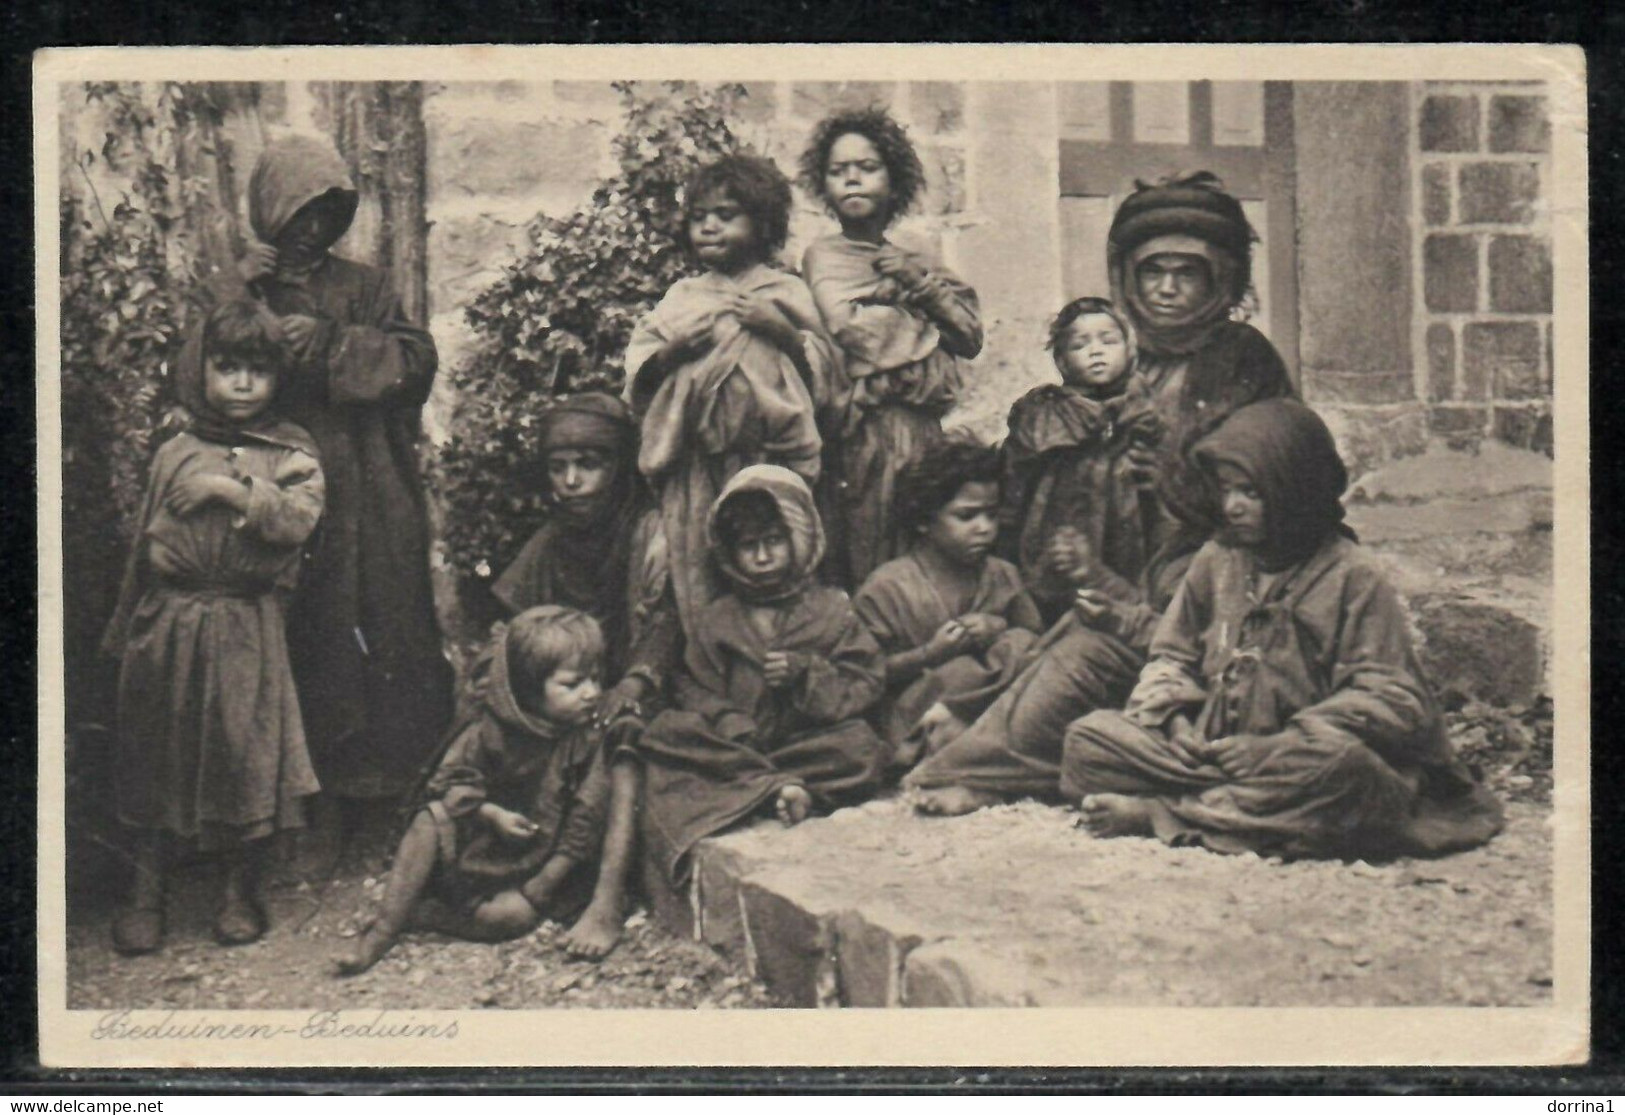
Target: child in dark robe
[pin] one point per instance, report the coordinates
(1283, 710)
(953, 620)
(1079, 509)
(513, 820)
(903, 321)
(731, 368)
(774, 686)
(211, 746)
(374, 681)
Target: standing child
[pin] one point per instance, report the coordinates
(953, 620)
(1282, 711)
(1080, 511)
(776, 679)
(514, 817)
(211, 748)
(730, 368)
(904, 323)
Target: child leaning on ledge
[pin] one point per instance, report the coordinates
(514, 817)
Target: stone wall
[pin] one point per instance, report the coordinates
(1484, 274)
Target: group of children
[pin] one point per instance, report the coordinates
(1144, 603)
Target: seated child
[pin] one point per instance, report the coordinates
(1080, 509)
(514, 817)
(731, 368)
(953, 620)
(774, 684)
(211, 746)
(1282, 710)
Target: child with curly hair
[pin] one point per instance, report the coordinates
(731, 368)
(903, 321)
(954, 621)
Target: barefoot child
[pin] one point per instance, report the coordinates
(211, 747)
(514, 817)
(775, 682)
(953, 620)
(904, 323)
(730, 368)
(1080, 512)
(1283, 710)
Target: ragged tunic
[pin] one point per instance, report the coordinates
(500, 753)
(903, 607)
(903, 352)
(211, 745)
(1069, 467)
(732, 743)
(1300, 642)
(373, 679)
(742, 402)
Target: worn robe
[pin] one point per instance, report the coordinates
(1068, 460)
(500, 753)
(731, 743)
(901, 357)
(211, 745)
(903, 607)
(742, 402)
(373, 679)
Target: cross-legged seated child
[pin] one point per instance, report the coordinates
(211, 746)
(774, 685)
(514, 817)
(1282, 710)
(953, 619)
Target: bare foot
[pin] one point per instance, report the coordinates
(793, 805)
(1116, 815)
(595, 933)
(940, 727)
(954, 801)
(368, 950)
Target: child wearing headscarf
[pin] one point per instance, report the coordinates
(1283, 710)
(903, 321)
(774, 685)
(374, 682)
(211, 745)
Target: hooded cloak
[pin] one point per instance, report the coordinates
(375, 686)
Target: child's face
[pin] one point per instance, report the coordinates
(236, 390)
(570, 693)
(722, 233)
(1093, 353)
(763, 554)
(1174, 285)
(578, 476)
(856, 179)
(1242, 505)
(964, 529)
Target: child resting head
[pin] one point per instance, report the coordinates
(553, 659)
(1093, 346)
(864, 167)
(948, 499)
(736, 212)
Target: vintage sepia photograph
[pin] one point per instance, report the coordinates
(580, 532)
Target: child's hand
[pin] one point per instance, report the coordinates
(258, 262)
(203, 488)
(948, 641)
(901, 265)
(1142, 461)
(624, 699)
(1182, 736)
(1095, 609)
(780, 669)
(1241, 756)
(515, 826)
(299, 330)
(760, 315)
(982, 628)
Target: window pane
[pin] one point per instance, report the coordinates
(1162, 112)
(1238, 113)
(1086, 110)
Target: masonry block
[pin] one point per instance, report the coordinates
(717, 872)
(936, 106)
(1498, 193)
(1525, 427)
(1459, 426)
(1450, 273)
(788, 947)
(944, 179)
(1521, 274)
(813, 100)
(502, 158)
(1449, 123)
(1436, 193)
(1361, 388)
(1441, 346)
(1370, 436)
(957, 974)
(1505, 356)
(1519, 123)
(871, 959)
(1475, 651)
